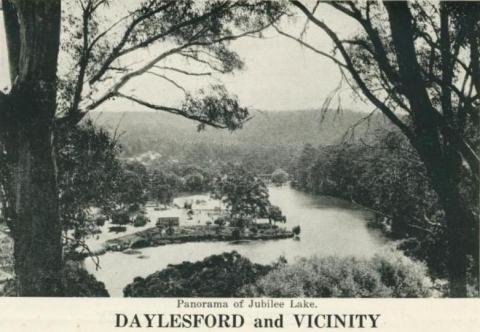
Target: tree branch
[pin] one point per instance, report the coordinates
(171, 110)
(351, 68)
(168, 80)
(446, 63)
(380, 53)
(413, 84)
(192, 56)
(84, 59)
(117, 49)
(106, 31)
(12, 31)
(183, 71)
(310, 47)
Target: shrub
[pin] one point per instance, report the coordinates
(80, 283)
(405, 277)
(120, 218)
(170, 231)
(100, 221)
(220, 221)
(140, 220)
(388, 276)
(296, 230)
(117, 229)
(236, 234)
(216, 276)
(76, 280)
(279, 176)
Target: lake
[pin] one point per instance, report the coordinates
(329, 226)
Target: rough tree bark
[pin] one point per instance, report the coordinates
(33, 29)
(436, 147)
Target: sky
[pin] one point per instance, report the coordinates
(279, 73)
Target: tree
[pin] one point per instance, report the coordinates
(164, 185)
(141, 220)
(162, 193)
(98, 45)
(89, 175)
(279, 177)
(26, 119)
(423, 63)
(132, 192)
(194, 182)
(301, 169)
(245, 195)
(387, 176)
(275, 214)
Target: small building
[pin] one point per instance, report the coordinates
(168, 221)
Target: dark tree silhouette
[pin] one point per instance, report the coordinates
(421, 59)
(40, 104)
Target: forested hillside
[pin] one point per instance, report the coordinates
(269, 140)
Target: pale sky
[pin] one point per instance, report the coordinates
(279, 74)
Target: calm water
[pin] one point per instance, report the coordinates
(328, 227)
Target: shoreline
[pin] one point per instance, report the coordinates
(155, 236)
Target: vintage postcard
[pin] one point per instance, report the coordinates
(243, 164)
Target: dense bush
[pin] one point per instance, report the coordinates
(77, 282)
(216, 276)
(236, 234)
(296, 230)
(220, 221)
(80, 283)
(388, 276)
(120, 218)
(140, 220)
(387, 176)
(279, 177)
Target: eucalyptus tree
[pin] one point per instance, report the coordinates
(418, 63)
(96, 66)
(244, 194)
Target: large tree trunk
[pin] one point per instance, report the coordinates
(436, 149)
(445, 174)
(37, 232)
(33, 29)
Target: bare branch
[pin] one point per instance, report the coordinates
(183, 71)
(378, 48)
(126, 78)
(350, 132)
(316, 50)
(106, 31)
(305, 26)
(356, 76)
(117, 49)
(168, 80)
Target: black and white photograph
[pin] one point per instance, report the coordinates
(239, 149)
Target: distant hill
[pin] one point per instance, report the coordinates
(269, 140)
(272, 128)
